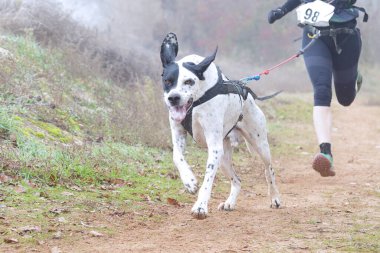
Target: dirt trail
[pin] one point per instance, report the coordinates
(317, 214)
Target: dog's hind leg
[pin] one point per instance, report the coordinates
(185, 172)
(229, 172)
(254, 131)
(264, 152)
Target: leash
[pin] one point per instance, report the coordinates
(257, 77)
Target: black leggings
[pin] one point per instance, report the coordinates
(323, 62)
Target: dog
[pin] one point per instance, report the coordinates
(197, 105)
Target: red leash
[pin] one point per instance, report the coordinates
(266, 72)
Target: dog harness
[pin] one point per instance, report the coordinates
(222, 87)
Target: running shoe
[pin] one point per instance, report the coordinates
(323, 164)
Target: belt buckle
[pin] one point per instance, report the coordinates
(333, 32)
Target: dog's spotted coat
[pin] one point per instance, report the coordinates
(185, 81)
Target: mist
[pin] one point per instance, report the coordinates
(135, 29)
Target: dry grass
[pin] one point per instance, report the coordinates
(145, 120)
(119, 87)
(86, 51)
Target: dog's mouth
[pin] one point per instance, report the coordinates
(178, 113)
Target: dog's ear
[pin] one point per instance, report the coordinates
(201, 67)
(169, 49)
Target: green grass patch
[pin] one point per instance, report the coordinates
(294, 109)
(363, 237)
(290, 125)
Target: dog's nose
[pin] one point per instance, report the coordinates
(174, 99)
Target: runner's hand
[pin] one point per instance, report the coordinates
(273, 15)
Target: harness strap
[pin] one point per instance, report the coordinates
(366, 16)
(222, 87)
(332, 32)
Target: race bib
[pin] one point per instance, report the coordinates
(316, 13)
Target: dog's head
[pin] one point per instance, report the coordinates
(181, 79)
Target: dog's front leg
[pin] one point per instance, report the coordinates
(215, 153)
(179, 145)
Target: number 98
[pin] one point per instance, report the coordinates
(309, 15)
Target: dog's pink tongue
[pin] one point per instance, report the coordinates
(178, 113)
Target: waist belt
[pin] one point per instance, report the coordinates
(335, 31)
(332, 32)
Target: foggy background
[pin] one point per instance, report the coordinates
(124, 36)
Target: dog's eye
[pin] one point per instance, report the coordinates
(189, 82)
(168, 82)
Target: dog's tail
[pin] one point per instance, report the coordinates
(261, 98)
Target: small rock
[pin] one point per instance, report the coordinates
(61, 220)
(55, 249)
(5, 54)
(27, 229)
(57, 235)
(76, 188)
(58, 210)
(95, 233)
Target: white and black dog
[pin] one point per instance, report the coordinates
(204, 103)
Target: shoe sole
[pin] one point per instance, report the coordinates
(323, 165)
(359, 83)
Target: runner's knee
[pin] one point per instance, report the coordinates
(346, 100)
(322, 96)
(345, 92)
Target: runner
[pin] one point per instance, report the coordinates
(335, 54)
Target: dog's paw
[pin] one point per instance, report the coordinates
(199, 211)
(226, 206)
(191, 185)
(276, 203)
(191, 188)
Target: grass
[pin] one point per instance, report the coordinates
(102, 180)
(362, 237)
(39, 81)
(287, 116)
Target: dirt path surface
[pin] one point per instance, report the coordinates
(336, 214)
